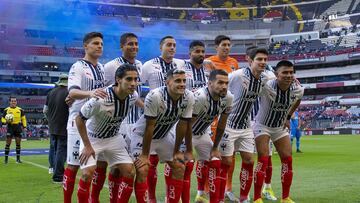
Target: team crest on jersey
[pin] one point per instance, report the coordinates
(292, 98)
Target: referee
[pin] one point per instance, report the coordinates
(14, 127)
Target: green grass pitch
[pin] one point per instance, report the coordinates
(327, 172)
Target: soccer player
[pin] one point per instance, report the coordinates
(164, 107)
(210, 101)
(223, 61)
(153, 73)
(281, 96)
(267, 191)
(295, 130)
(101, 133)
(86, 80)
(129, 47)
(246, 84)
(15, 119)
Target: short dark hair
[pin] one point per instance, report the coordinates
(255, 51)
(216, 72)
(249, 49)
(285, 63)
(164, 38)
(92, 35)
(174, 71)
(196, 43)
(11, 97)
(220, 38)
(121, 70)
(124, 37)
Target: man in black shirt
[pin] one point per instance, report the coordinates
(57, 111)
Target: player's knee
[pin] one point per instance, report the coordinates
(248, 159)
(141, 174)
(227, 160)
(73, 167)
(87, 175)
(128, 172)
(115, 172)
(178, 172)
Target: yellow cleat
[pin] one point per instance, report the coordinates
(201, 199)
(268, 194)
(287, 200)
(258, 201)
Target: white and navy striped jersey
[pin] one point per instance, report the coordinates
(275, 103)
(153, 72)
(246, 89)
(84, 76)
(105, 115)
(159, 105)
(206, 109)
(195, 78)
(270, 73)
(110, 70)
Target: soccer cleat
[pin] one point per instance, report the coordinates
(18, 161)
(51, 170)
(287, 200)
(245, 201)
(201, 198)
(268, 194)
(258, 201)
(230, 197)
(298, 151)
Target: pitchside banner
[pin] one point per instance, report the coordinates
(310, 60)
(332, 132)
(354, 55)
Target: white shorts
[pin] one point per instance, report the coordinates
(164, 147)
(73, 145)
(235, 140)
(113, 149)
(274, 133)
(125, 132)
(203, 145)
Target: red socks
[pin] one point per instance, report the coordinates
(246, 176)
(259, 176)
(185, 195)
(268, 171)
(174, 190)
(152, 176)
(214, 180)
(113, 187)
(230, 175)
(141, 192)
(68, 184)
(83, 191)
(97, 184)
(223, 175)
(201, 174)
(125, 189)
(286, 176)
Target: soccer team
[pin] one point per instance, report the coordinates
(111, 125)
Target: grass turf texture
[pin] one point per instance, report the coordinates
(327, 171)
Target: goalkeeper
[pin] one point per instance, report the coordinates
(15, 119)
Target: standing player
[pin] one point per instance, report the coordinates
(153, 73)
(210, 101)
(295, 130)
(101, 133)
(223, 61)
(86, 80)
(267, 191)
(280, 98)
(164, 107)
(246, 85)
(15, 119)
(129, 47)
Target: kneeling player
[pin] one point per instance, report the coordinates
(164, 107)
(100, 135)
(280, 98)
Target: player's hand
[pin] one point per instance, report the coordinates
(179, 159)
(287, 124)
(69, 101)
(142, 161)
(85, 155)
(189, 156)
(98, 93)
(215, 153)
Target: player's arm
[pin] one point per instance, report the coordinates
(291, 111)
(3, 120)
(219, 134)
(86, 112)
(23, 118)
(139, 102)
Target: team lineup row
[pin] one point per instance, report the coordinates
(106, 126)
